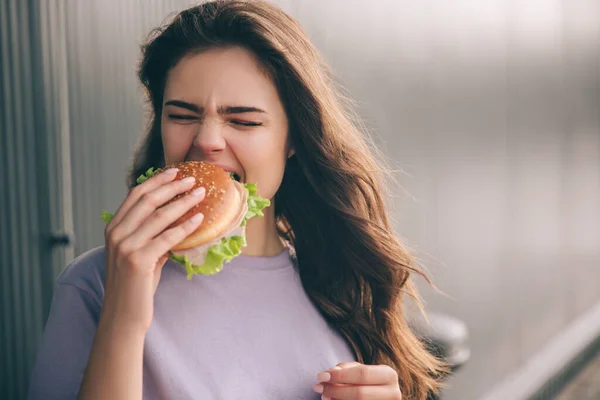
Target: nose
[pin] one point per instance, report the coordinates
(209, 138)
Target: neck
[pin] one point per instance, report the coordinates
(261, 235)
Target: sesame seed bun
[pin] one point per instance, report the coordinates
(221, 206)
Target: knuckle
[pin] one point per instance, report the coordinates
(344, 375)
(172, 236)
(161, 213)
(149, 199)
(137, 191)
(122, 250)
(133, 260)
(391, 372)
(365, 374)
(111, 237)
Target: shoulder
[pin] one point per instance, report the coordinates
(86, 272)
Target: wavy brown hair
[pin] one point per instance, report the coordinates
(330, 205)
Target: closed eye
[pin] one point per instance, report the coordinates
(246, 123)
(182, 117)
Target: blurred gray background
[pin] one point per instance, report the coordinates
(490, 108)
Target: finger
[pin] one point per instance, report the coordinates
(347, 364)
(356, 392)
(147, 205)
(364, 375)
(163, 259)
(162, 218)
(320, 387)
(138, 191)
(326, 375)
(156, 248)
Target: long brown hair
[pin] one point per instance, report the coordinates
(330, 205)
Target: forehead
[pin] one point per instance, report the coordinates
(231, 74)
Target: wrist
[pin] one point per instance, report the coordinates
(113, 322)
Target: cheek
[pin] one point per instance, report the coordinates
(176, 142)
(263, 162)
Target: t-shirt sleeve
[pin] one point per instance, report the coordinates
(66, 343)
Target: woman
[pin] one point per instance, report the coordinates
(238, 84)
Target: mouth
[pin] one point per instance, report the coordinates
(235, 176)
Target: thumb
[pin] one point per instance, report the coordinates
(347, 364)
(162, 260)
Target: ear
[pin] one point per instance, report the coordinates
(291, 152)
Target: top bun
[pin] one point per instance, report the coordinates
(220, 206)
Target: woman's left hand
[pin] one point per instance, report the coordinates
(355, 381)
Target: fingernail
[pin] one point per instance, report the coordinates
(324, 377)
(325, 398)
(171, 171)
(189, 179)
(318, 388)
(199, 192)
(337, 368)
(196, 218)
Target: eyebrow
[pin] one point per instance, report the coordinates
(220, 110)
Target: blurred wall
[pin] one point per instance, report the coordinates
(492, 109)
(489, 107)
(35, 195)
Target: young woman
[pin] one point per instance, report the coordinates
(312, 307)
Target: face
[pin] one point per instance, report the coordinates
(220, 107)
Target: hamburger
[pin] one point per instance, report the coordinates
(227, 205)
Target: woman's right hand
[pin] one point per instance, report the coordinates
(137, 246)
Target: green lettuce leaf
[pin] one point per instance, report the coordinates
(106, 216)
(255, 203)
(217, 255)
(146, 175)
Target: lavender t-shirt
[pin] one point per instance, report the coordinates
(248, 332)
